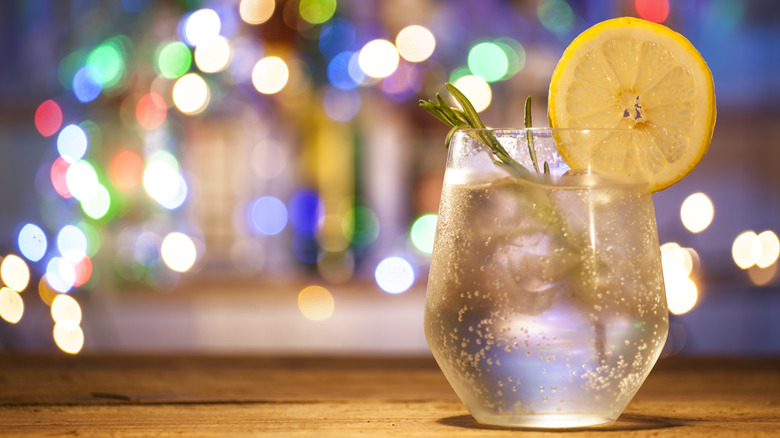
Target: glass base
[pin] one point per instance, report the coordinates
(544, 421)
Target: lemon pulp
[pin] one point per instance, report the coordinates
(641, 76)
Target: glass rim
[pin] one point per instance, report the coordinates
(545, 129)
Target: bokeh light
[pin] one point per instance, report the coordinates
(48, 118)
(338, 71)
(60, 274)
(652, 10)
(201, 27)
(341, 105)
(213, 56)
(14, 272)
(173, 59)
(742, 249)
(360, 226)
(178, 251)
(761, 250)
(270, 75)
(316, 303)
(68, 336)
(11, 305)
(423, 232)
(477, 90)
(32, 242)
(394, 275)
(336, 36)
(87, 85)
(82, 180)
(555, 15)
(515, 55)
(697, 212)
(191, 94)
(268, 215)
(71, 238)
(82, 267)
(163, 182)
(769, 250)
(126, 169)
(98, 204)
(415, 43)
(151, 111)
(317, 11)
(306, 211)
(65, 307)
(403, 84)
(681, 290)
(378, 58)
(72, 143)
(488, 61)
(58, 175)
(256, 11)
(107, 62)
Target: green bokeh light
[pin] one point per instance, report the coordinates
(317, 11)
(515, 55)
(96, 206)
(423, 231)
(488, 61)
(555, 15)
(174, 60)
(108, 61)
(361, 226)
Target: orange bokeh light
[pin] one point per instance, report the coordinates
(151, 111)
(127, 169)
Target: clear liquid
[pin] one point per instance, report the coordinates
(545, 305)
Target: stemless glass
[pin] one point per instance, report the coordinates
(545, 304)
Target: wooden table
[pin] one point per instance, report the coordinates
(55, 395)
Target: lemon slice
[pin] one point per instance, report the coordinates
(642, 76)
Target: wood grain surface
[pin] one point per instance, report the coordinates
(194, 396)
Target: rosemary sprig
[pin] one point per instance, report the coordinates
(529, 136)
(468, 118)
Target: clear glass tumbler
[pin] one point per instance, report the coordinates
(545, 304)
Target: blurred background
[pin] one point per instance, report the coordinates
(256, 175)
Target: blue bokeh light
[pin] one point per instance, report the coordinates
(268, 215)
(338, 71)
(336, 36)
(306, 211)
(87, 86)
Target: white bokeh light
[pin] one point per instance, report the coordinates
(191, 94)
(477, 90)
(415, 43)
(378, 58)
(697, 212)
(201, 27)
(394, 275)
(214, 55)
(270, 75)
(178, 251)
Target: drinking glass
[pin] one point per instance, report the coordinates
(545, 304)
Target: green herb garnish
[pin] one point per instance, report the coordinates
(468, 118)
